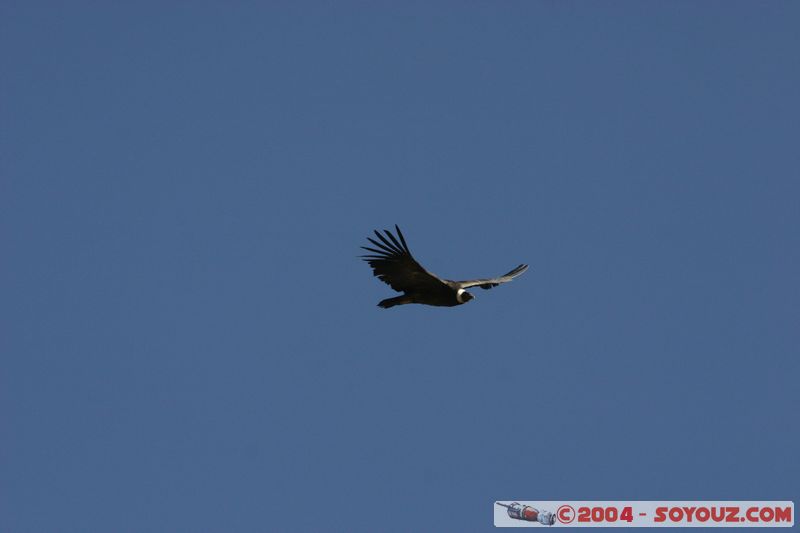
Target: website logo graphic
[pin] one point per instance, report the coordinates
(518, 511)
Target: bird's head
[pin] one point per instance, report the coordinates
(463, 296)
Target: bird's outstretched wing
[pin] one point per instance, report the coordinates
(392, 263)
(492, 282)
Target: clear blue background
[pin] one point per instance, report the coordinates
(190, 343)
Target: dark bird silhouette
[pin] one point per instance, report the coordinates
(392, 263)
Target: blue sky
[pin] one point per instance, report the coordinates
(190, 343)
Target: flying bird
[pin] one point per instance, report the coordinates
(392, 263)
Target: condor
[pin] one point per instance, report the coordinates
(392, 263)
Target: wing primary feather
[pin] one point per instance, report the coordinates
(402, 239)
(394, 240)
(382, 246)
(381, 253)
(518, 270)
(391, 247)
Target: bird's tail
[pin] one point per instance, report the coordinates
(398, 300)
